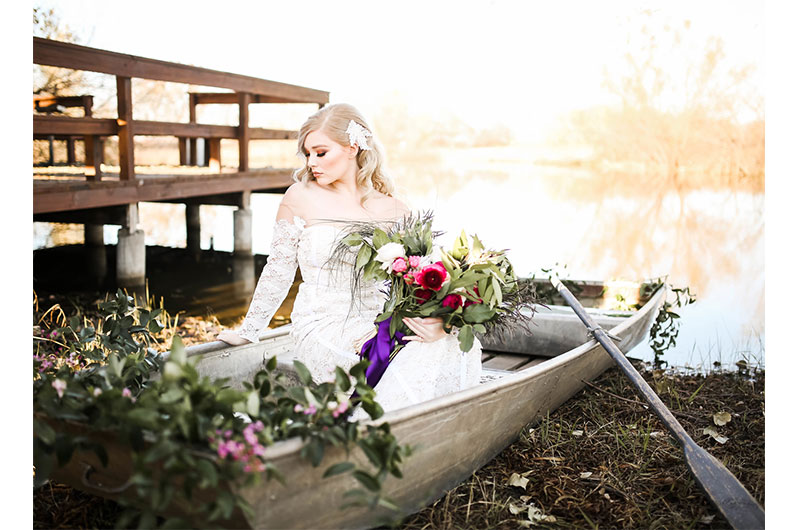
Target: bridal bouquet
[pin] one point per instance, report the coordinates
(469, 287)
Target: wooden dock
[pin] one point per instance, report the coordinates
(95, 197)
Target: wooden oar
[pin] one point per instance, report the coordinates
(731, 498)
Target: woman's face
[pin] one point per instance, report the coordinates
(328, 161)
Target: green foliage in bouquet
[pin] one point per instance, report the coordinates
(469, 287)
(189, 435)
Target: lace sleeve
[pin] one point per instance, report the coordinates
(275, 280)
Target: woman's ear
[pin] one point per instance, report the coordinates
(352, 151)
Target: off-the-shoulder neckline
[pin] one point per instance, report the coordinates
(304, 225)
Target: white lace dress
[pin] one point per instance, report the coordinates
(328, 330)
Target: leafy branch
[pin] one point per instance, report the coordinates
(664, 331)
(190, 437)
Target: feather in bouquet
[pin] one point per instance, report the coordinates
(469, 287)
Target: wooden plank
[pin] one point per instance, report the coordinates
(186, 130)
(183, 155)
(192, 119)
(93, 156)
(229, 98)
(272, 134)
(48, 52)
(71, 151)
(65, 125)
(44, 126)
(244, 131)
(533, 362)
(505, 362)
(40, 102)
(88, 103)
(112, 215)
(50, 196)
(125, 113)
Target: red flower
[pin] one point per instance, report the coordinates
(470, 302)
(432, 276)
(422, 295)
(452, 300)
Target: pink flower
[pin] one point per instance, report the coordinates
(97, 391)
(126, 392)
(414, 261)
(341, 409)
(250, 436)
(432, 276)
(452, 301)
(298, 408)
(310, 410)
(60, 386)
(399, 265)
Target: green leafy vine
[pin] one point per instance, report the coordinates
(665, 328)
(189, 435)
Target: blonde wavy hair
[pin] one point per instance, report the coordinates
(333, 121)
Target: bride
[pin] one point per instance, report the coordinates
(343, 181)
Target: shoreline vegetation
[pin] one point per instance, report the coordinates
(600, 460)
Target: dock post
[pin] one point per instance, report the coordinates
(131, 251)
(244, 278)
(95, 251)
(193, 228)
(193, 160)
(243, 227)
(243, 232)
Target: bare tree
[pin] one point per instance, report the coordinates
(684, 118)
(48, 80)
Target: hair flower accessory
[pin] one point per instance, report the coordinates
(358, 135)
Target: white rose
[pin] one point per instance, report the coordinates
(390, 252)
(431, 258)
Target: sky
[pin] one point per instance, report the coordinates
(518, 63)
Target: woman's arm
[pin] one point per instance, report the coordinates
(275, 280)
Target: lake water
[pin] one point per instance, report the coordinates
(549, 215)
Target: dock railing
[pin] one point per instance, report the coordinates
(245, 90)
(99, 200)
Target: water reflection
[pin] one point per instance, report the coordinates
(600, 225)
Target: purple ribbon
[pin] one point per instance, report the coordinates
(378, 349)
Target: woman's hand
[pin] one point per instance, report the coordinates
(428, 329)
(232, 338)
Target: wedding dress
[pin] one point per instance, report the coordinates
(329, 324)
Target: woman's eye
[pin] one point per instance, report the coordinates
(320, 155)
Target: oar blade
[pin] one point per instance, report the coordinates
(735, 503)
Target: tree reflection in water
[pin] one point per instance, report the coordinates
(604, 225)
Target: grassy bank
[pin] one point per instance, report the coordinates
(601, 460)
